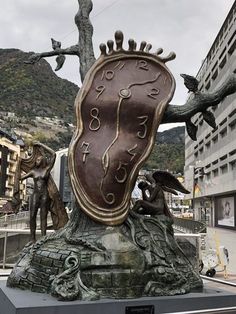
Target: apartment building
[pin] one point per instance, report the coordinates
(210, 162)
(60, 175)
(10, 150)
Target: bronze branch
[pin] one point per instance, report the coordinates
(199, 103)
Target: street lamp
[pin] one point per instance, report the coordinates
(202, 173)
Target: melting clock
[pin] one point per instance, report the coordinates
(118, 111)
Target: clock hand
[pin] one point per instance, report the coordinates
(110, 198)
(145, 82)
(124, 94)
(105, 157)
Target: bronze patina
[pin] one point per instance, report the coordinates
(40, 198)
(109, 249)
(118, 109)
(153, 200)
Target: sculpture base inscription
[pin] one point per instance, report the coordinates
(147, 309)
(91, 261)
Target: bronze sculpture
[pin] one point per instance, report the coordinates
(153, 200)
(26, 165)
(107, 249)
(40, 198)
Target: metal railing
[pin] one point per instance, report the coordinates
(188, 225)
(19, 220)
(15, 221)
(6, 233)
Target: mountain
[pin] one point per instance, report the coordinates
(168, 151)
(33, 90)
(43, 107)
(171, 136)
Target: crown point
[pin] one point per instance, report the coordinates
(119, 37)
(142, 45)
(103, 49)
(110, 45)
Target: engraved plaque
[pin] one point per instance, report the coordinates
(144, 309)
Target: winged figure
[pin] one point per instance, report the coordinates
(153, 200)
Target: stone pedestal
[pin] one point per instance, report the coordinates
(15, 301)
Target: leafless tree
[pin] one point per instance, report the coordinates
(198, 103)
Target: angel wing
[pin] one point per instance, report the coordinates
(168, 182)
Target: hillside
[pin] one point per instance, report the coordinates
(42, 107)
(168, 152)
(33, 90)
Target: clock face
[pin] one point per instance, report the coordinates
(119, 108)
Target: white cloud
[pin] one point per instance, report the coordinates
(187, 27)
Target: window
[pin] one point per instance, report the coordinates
(232, 113)
(215, 162)
(215, 139)
(213, 131)
(222, 53)
(208, 85)
(232, 125)
(233, 165)
(208, 135)
(223, 62)
(208, 77)
(223, 121)
(223, 157)
(216, 172)
(232, 37)
(232, 48)
(223, 132)
(215, 65)
(224, 169)
(215, 74)
(232, 152)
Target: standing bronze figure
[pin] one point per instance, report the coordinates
(40, 197)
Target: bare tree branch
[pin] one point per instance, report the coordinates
(84, 48)
(200, 102)
(85, 29)
(73, 50)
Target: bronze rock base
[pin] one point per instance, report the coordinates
(88, 261)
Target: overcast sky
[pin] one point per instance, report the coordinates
(187, 27)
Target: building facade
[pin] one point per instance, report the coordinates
(60, 174)
(210, 162)
(10, 151)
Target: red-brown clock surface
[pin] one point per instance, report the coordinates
(119, 109)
